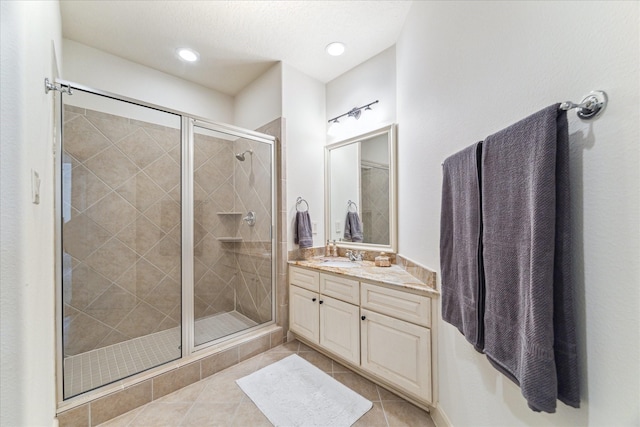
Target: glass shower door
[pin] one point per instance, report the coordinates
(232, 245)
(121, 240)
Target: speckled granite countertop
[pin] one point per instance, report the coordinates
(367, 270)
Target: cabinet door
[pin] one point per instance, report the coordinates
(304, 313)
(397, 351)
(340, 328)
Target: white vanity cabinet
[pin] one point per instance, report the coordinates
(383, 333)
(322, 311)
(393, 349)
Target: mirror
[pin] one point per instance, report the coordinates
(360, 191)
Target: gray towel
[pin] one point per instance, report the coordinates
(461, 244)
(302, 230)
(353, 227)
(529, 319)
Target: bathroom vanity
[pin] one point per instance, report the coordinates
(375, 320)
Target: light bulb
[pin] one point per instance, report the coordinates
(335, 48)
(188, 55)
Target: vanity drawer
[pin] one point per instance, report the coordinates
(304, 278)
(401, 305)
(340, 288)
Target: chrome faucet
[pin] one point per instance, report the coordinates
(354, 255)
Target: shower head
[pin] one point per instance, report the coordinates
(240, 156)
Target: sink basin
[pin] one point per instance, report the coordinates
(340, 264)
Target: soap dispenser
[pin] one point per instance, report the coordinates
(334, 252)
(327, 249)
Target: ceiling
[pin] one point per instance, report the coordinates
(237, 40)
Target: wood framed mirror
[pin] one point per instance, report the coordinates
(360, 181)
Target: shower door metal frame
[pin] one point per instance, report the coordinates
(187, 179)
(188, 121)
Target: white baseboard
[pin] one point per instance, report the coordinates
(440, 418)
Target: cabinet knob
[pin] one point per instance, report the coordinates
(313, 299)
(363, 317)
(321, 301)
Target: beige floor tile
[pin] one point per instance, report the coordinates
(248, 414)
(338, 367)
(210, 414)
(319, 360)
(123, 420)
(218, 401)
(288, 346)
(360, 385)
(401, 414)
(269, 358)
(221, 389)
(387, 395)
(373, 418)
(161, 415)
(304, 347)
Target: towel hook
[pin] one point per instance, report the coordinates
(591, 106)
(300, 200)
(350, 205)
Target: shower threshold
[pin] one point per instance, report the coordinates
(95, 368)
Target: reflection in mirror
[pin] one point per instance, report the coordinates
(360, 191)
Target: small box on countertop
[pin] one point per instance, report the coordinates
(382, 260)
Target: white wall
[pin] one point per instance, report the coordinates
(345, 180)
(374, 79)
(260, 102)
(469, 69)
(27, 291)
(303, 107)
(100, 70)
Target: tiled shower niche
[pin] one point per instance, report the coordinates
(121, 240)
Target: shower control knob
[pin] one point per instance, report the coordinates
(250, 219)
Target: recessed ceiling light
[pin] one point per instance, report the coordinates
(189, 55)
(335, 48)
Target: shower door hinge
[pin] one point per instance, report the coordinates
(56, 86)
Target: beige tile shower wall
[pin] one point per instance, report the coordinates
(215, 269)
(253, 192)
(375, 205)
(121, 231)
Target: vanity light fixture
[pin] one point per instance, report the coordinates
(335, 48)
(355, 112)
(187, 54)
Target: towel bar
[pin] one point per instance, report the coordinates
(591, 106)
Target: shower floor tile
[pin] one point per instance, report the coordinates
(95, 368)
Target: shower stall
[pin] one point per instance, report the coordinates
(166, 225)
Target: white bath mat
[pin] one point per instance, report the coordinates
(293, 392)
